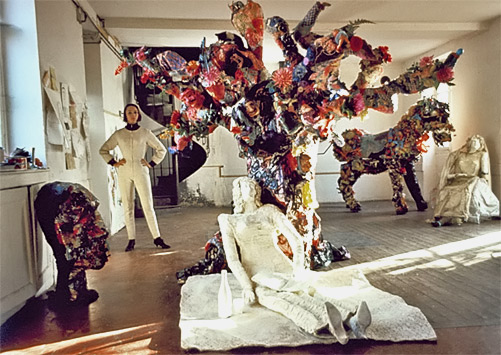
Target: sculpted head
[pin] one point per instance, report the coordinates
(475, 143)
(246, 192)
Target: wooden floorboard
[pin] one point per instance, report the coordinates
(453, 274)
(460, 288)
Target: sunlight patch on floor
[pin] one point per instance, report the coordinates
(165, 253)
(128, 340)
(446, 256)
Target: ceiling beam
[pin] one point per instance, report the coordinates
(204, 24)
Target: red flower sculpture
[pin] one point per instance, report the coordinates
(445, 74)
(385, 53)
(283, 78)
(358, 104)
(356, 43)
(174, 118)
(425, 61)
(193, 68)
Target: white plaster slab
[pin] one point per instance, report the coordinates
(392, 318)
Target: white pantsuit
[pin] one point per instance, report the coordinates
(133, 145)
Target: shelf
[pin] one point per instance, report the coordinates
(15, 178)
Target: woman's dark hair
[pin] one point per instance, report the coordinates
(138, 111)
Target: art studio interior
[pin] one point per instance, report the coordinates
(254, 177)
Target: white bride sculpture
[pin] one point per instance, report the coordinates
(296, 306)
(278, 283)
(465, 193)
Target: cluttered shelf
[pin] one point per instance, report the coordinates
(10, 178)
(21, 168)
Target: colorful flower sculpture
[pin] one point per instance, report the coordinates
(279, 119)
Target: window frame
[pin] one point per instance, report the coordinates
(4, 141)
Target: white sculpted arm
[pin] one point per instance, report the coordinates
(230, 249)
(484, 166)
(293, 237)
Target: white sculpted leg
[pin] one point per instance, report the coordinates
(305, 311)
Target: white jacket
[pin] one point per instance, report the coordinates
(133, 145)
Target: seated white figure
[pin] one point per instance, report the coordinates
(278, 283)
(465, 193)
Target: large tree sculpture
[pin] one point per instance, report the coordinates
(279, 119)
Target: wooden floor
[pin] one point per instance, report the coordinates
(453, 274)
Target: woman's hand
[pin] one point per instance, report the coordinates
(248, 295)
(145, 163)
(119, 163)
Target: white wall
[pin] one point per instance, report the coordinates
(475, 100)
(214, 179)
(61, 46)
(328, 167)
(105, 101)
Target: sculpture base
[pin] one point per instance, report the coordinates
(392, 318)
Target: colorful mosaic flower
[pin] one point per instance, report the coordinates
(193, 68)
(445, 74)
(283, 78)
(385, 53)
(211, 76)
(356, 43)
(425, 61)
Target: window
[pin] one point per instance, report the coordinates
(3, 113)
(442, 93)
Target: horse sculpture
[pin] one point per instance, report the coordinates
(395, 150)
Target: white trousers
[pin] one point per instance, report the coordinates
(138, 177)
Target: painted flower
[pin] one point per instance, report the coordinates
(211, 76)
(283, 78)
(148, 75)
(358, 104)
(356, 43)
(140, 55)
(425, 61)
(193, 67)
(385, 53)
(174, 91)
(174, 118)
(445, 74)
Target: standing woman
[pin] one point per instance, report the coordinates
(133, 141)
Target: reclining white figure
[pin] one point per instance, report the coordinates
(276, 282)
